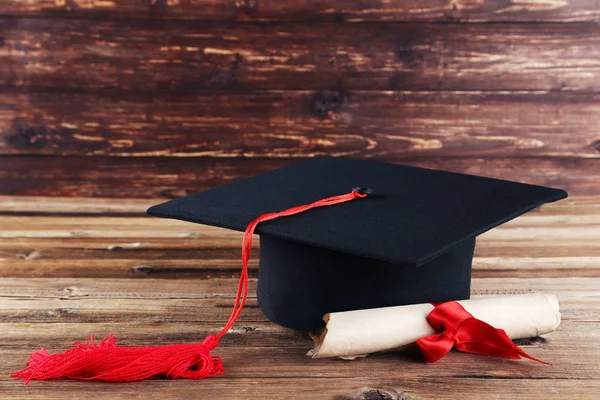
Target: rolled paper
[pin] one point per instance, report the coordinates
(352, 334)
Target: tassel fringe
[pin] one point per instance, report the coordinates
(106, 361)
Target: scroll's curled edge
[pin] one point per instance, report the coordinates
(353, 334)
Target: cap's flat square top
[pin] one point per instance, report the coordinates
(414, 215)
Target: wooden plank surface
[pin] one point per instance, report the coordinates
(186, 143)
(514, 100)
(51, 206)
(167, 55)
(68, 269)
(380, 124)
(336, 10)
(476, 387)
(168, 177)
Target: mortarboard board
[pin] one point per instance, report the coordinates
(411, 241)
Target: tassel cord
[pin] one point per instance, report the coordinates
(242, 292)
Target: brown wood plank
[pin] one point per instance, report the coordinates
(283, 354)
(165, 55)
(532, 226)
(286, 348)
(73, 289)
(583, 305)
(145, 265)
(123, 177)
(222, 249)
(387, 125)
(336, 10)
(133, 247)
(205, 257)
(551, 249)
(33, 205)
(193, 311)
(19, 336)
(152, 177)
(48, 300)
(313, 388)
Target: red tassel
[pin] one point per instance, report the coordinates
(108, 362)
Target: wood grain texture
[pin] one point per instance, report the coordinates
(384, 125)
(143, 55)
(475, 387)
(289, 350)
(56, 238)
(49, 291)
(66, 206)
(334, 10)
(95, 291)
(50, 206)
(169, 177)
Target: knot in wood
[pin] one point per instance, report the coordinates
(142, 269)
(71, 292)
(71, 5)
(158, 4)
(251, 6)
(24, 137)
(407, 53)
(376, 394)
(325, 102)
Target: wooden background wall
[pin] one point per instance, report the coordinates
(158, 98)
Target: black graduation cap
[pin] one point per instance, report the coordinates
(410, 241)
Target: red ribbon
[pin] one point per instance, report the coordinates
(458, 328)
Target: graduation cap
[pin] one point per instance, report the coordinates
(336, 234)
(410, 241)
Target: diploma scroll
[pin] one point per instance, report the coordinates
(356, 333)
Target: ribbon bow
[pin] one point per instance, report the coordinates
(459, 329)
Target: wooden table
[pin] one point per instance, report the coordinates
(72, 267)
